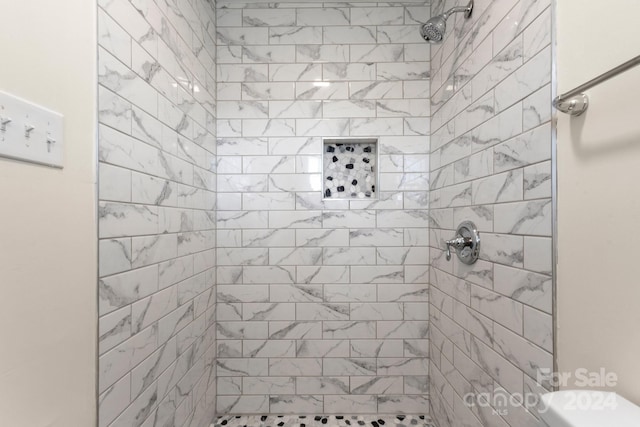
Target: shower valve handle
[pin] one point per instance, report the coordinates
(466, 243)
(457, 243)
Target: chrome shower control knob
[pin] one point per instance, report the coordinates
(466, 243)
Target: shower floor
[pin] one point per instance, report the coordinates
(323, 421)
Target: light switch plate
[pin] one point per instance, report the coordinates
(43, 144)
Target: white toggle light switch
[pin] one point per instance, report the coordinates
(30, 132)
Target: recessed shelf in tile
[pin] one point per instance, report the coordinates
(350, 168)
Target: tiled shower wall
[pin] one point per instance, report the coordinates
(322, 306)
(491, 323)
(156, 212)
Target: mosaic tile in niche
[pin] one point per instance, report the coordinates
(349, 167)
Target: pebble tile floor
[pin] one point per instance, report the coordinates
(323, 421)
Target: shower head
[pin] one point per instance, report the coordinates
(433, 30)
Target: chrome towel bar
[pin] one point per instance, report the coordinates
(575, 102)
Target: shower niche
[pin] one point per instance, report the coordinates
(350, 168)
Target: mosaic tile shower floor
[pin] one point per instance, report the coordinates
(323, 421)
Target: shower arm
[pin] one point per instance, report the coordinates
(458, 9)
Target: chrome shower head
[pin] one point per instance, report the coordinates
(433, 30)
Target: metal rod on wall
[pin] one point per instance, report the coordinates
(575, 102)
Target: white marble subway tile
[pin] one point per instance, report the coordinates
(323, 274)
(267, 91)
(295, 72)
(114, 256)
(268, 128)
(402, 329)
(146, 311)
(295, 404)
(404, 144)
(416, 310)
(538, 254)
(417, 52)
(349, 71)
(499, 368)
(349, 256)
(295, 256)
(324, 17)
(499, 308)
(377, 53)
(390, 200)
(322, 348)
(295, 219)
(228, 201)
(242, 293)
(358, 108)
(229, 275)
(505, 187)
(296, 367)
(403, 108)
(268, 385)
(308, 164)
(243, 367)
(229, 164)
(122, 289)
(243, 404)
(322, 311)
(526, 356)
(408, 255)
(242, 36)
(268, 17)
(117, 362)
(375, 126)
(242, 219)
(348, 329)
(315, 201)
(527, 287)
(403, 71)
(399, 34)
(352, 404)
(375, 90)
(229, 128)
(265, 238)
(536, 109)
(322, 53)
(295, 35)
(228, 91)
(349, 366)
(243, 109)
(242, 183)
(377, 274)
(532, 218)
(530, 147)
(350, 293)
(528, 78)
(241, 146)
(295, 330)
(115, 183)
(229, 54)
(229, 386)
(243, 72)
(127, 17)
(322, 90)
(113, 110)
(228, 312)
(269, 274)
(242, 330)
(295, 145)
(537, 35)
(402, 366)
(348, 219)
(295, 109)
(242, 256)
(113, 37)
(538, 328)
(114, 328)
(402, 403)
(153, 249)
(403, 293)
(417, 89)
(376, 311)
(295, 293)
(376, 236)
(114, 400)
(377, 15)
(537, 181)
(376, 348)
(268, 311)
(226, 17)
(322, 385)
